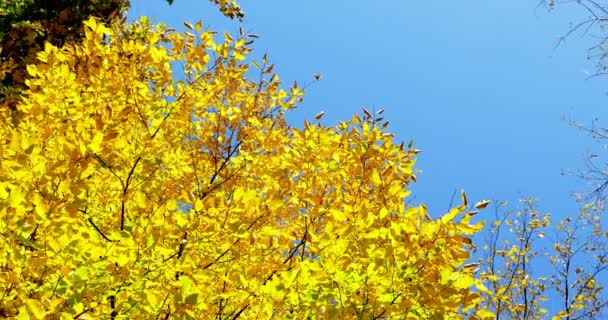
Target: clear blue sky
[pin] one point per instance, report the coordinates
(476, 84)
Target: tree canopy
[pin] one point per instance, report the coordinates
(26, 25)
(128, 190)
(148, 173)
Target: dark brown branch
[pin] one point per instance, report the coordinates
(99, 231)
(220, 256)
(217, 185)
(295, 249)
(180, 249)
(7, 291)
(106, 165)
(238, 314)
(233, 244)
(162, 305)
(141, 116)
(224, 163)
(125, 191)
(82, 313)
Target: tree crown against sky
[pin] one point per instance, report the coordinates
(148, 173)
(129, 190)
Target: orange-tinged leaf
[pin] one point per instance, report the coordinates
(367, 113)
(464, 198)
(482, 204)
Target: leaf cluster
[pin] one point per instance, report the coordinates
(147, 175)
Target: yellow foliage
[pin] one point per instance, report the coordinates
(130, 191)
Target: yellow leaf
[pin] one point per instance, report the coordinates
(371, 269)
(239, 56)
(339, 215)
(485, 314)
(186, 285)
(228, 37)
(27, 142)
(17, 197)
(4, 194)
(383, 213)
(445, 276)
(394, 189)
(171, 205)
(464, 282)
(151, 298)
(140, 199)
(452, 214)
(23, 313)
(237, 195)
(95, 145)
(198, 205)
(35, 309)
